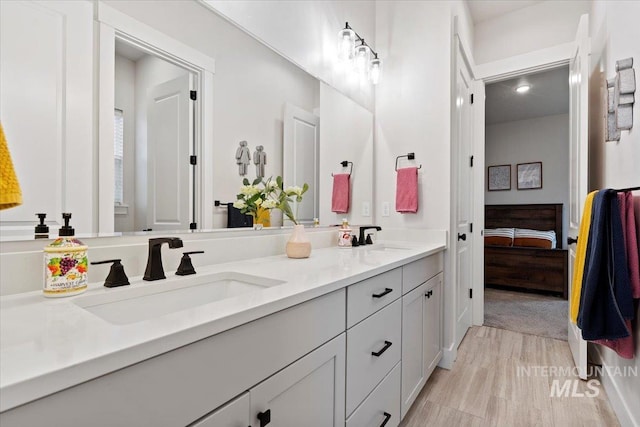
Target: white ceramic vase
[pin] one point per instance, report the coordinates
(298, 245)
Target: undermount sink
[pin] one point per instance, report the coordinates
(155, 299)
(387, 247)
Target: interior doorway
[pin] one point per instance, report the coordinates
(526, 197)
(154, 139)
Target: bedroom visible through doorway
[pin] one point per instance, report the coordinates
(526, 203)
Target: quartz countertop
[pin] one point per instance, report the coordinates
(47, 345)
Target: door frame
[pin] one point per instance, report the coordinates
(536, 61)
(110, 25)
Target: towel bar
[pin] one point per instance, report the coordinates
(344, 164)
(409, 156)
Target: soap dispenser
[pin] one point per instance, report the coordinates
(344, 235)
(42, 229)
(65, 261)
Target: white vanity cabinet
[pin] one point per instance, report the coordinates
(421, 334)
(181, 386)
(309, 392)
(374, 315)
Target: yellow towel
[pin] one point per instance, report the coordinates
(10, 193)
(581, 255)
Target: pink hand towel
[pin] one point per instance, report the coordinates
(340, 196)
(407, 190)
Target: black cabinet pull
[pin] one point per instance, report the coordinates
(387, 344)
(387, 417)
(381, 294)
(428, 294)
(462, 236)
(571, 240)
(264, 417)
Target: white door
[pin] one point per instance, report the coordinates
(462, 239)
(309, 393)
(300, 158)
(578, 173)
(169, 138)
(46, 110)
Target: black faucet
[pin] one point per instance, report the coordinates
(362, 240)
(154, 270)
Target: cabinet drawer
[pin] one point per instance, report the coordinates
(366, 297)
(380, 334)
(380, 405)
(418, 272)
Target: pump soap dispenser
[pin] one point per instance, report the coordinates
(42, 229)
(65, 261)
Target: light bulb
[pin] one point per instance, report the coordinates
(346, 44)
(523, 89)
(375, 70)
(362, 58)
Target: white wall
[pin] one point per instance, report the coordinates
(346, 133)
(615, 34)
(125, 91)
(306, 32)
(150, 72)
(542, 25)
(413, 114)
(541, 139)
(251, 85)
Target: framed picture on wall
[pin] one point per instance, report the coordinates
(529, 176)
(499, 178)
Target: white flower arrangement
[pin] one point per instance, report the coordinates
(269, 194)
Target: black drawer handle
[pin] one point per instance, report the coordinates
(387, 344)
(380, 295)
(387, 417)
(462, 236)
(264, 417)
(571, 240)
(428, 294)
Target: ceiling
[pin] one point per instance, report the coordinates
(481, 10)
(549, 94)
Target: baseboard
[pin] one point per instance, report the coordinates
(449, 356)
(620, 406)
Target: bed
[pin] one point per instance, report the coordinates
(526, 267)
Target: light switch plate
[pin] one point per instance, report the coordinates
(385, 209)
(366, 209)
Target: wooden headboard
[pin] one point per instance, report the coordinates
(536, 217)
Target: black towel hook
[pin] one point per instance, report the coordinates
(409, 156)
(346, 163)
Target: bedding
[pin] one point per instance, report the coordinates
(534, 238)
(499, 236)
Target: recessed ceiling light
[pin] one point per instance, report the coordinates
(523, 89)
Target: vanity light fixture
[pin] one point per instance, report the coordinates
(523, 88)
(364, 58)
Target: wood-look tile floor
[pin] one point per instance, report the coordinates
(487, 386)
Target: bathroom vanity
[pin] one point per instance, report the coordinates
(357, 332)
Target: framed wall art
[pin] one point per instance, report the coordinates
(499, 178)
(529, 176)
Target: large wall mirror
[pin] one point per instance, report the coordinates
(118, 154)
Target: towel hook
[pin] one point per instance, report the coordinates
(346, 163)
(409, 156)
